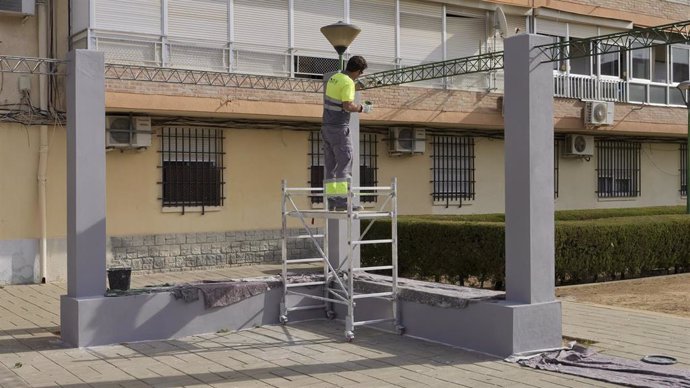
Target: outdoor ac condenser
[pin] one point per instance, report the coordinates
(404, 140)
(127, 131)
(579, 145)
(599, 113)
(18, 7)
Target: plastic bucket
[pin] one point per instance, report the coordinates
(119, 278)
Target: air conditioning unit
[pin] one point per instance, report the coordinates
(579, 145)
(402, 140)
(598, 113)
(18, 7)
(127, 131)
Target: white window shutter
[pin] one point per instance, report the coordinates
(310, 16)
(420, 32)
(198, 20)
(134, 16)
(376, 18)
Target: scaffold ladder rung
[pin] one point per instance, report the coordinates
(305, 284)
(321, 298)
(372, 295)
(378, 268)
(304, 236)
(370, 215)
(310, 307)
(373, 321)
(309, 260)
(367, 242)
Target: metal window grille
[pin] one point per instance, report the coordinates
(368, 163)
(683, 169)
(192, 167)
(452, 169)
(314, 67)
(556, 157)
(316, 162)
(618, 169)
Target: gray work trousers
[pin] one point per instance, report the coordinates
(337, 151)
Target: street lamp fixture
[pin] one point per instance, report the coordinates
(340, 35)
(684, 87)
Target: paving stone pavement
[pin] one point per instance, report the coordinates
(298, 355)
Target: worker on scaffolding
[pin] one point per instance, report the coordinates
(338, 103)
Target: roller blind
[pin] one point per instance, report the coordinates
(464, 36)
(550, 27)
(376, 18)
(205, 20)
(420, 32)
(136, 16)
(310, 16)
(262, 22)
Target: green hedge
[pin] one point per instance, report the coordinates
(586, 250)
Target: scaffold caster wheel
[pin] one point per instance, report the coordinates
(400, 329)
(349, 336)
(283, 319)
(330, 314)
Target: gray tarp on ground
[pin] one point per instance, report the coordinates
(584, 362)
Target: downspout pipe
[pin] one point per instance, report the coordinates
(43, 141)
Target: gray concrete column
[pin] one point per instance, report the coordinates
(85, 174)
(529, 171)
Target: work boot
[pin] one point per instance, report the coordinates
(339, 204)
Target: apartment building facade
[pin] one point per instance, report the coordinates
(194, 169)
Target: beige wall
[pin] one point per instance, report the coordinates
(255, 161)
(18, 195)
(660, 178)
(18, 182)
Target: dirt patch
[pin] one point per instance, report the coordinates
(663, 294)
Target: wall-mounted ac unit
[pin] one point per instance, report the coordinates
(579, 145)
(127, 131)
(598, 113)
(406, 140)
(18, 7)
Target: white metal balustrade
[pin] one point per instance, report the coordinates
(584, 87)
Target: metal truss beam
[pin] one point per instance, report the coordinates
(29, 65)
(433, 70)
(210, 78)
(637, 38)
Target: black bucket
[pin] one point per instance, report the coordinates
(119, 278)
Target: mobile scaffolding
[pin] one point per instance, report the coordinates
(338, 282)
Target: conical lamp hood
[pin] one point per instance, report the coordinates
(340, 35)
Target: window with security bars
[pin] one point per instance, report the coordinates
(314, 67)
(556, 157)
(683, 170)
(618, 169)
(192, 167)
(452, 169)
(368, 163)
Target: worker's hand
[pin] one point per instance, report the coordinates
(367, 107)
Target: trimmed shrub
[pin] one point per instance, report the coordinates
(586, 250)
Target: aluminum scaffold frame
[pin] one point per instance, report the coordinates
(338, 283)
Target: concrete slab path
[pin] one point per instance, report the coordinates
(298, 355)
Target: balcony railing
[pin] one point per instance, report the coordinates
(226, 59)
(584, 87)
